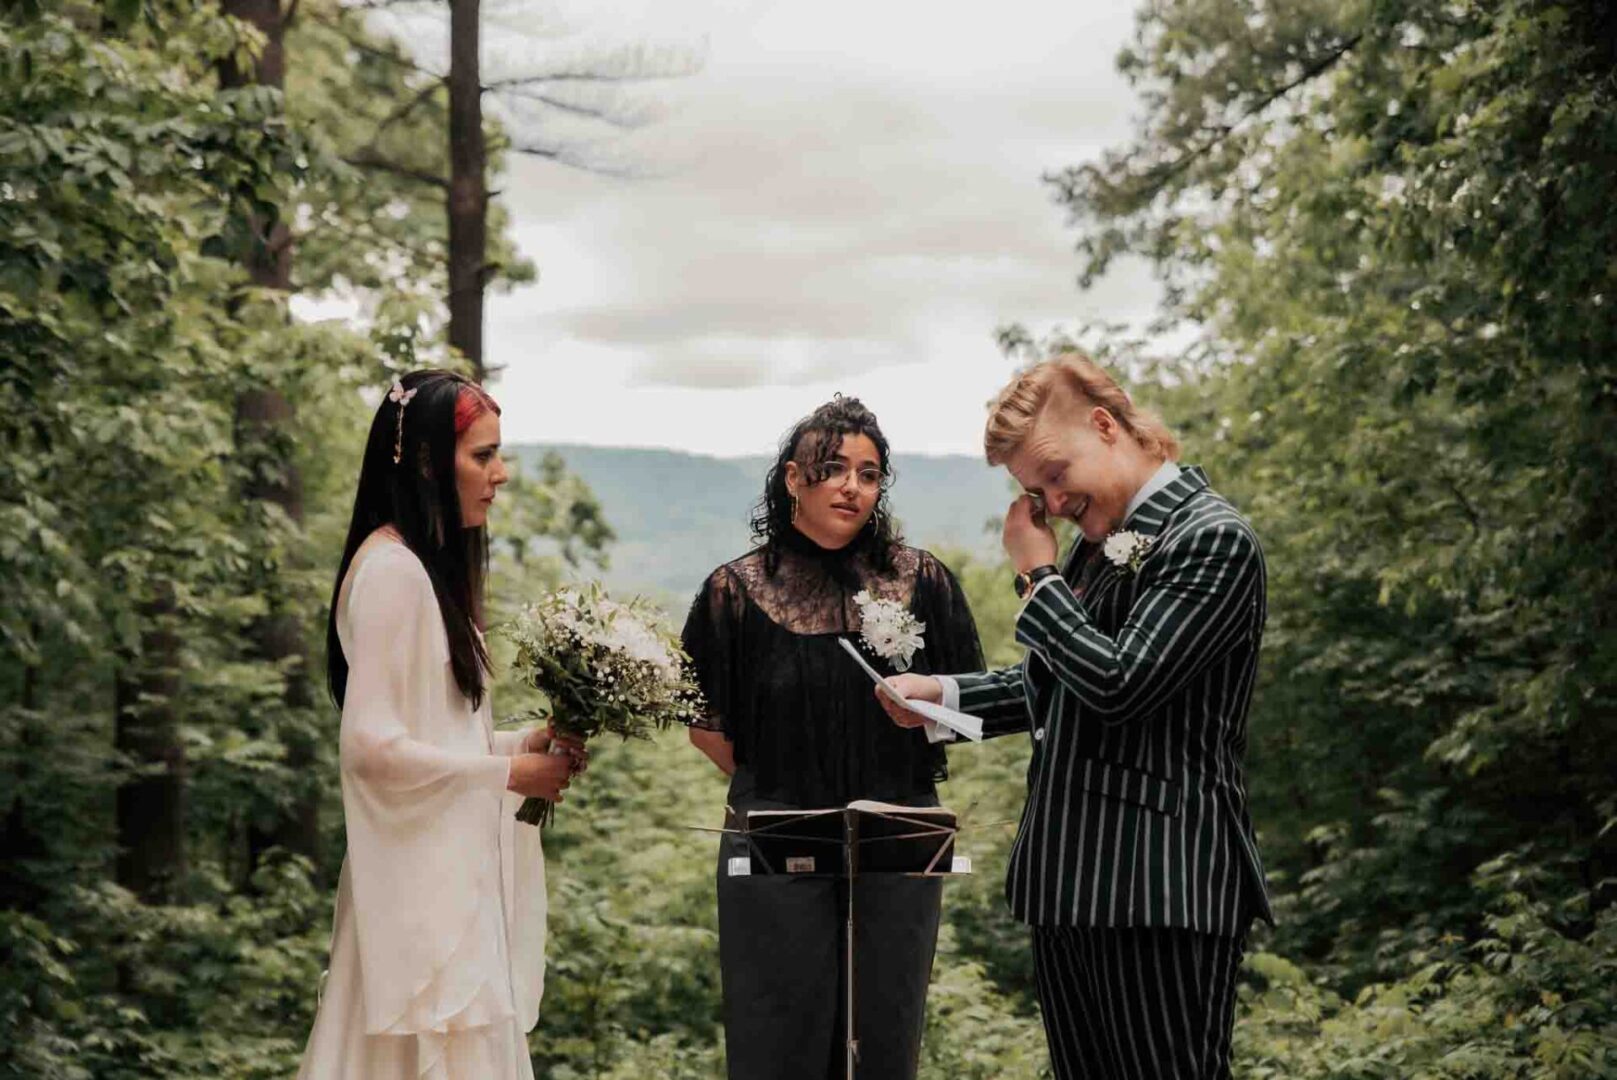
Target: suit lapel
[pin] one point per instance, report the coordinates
(1072, 565)
(1151, 517)
(1149, 520)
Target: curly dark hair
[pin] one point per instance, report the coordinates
(812, 442)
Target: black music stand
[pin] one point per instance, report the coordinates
(845, 842)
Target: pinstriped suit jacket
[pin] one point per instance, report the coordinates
(1136, 695)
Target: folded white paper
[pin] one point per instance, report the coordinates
(958, 722)
(874, 806)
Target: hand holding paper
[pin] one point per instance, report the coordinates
(958, 722)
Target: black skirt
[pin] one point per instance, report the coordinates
(780, 954)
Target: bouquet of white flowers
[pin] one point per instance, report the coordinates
(605, 666)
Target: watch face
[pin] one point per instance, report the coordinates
(1022, 584)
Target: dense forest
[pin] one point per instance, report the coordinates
(1388, 227)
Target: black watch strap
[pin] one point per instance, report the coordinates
(1025, 582)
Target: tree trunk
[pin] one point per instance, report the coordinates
(270, 259)
(151, 805)
(263, 417)
(22, 837)
(468, 195)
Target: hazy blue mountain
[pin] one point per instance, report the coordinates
(679, 515)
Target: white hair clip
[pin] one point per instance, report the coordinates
(399, 396)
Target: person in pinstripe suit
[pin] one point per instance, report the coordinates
(1136, 864)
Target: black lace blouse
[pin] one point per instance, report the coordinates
(801, 714)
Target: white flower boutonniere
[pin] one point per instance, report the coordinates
(1127, 550)
(889, 630)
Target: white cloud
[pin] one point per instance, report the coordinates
(846, 198)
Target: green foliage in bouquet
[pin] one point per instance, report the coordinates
(604, 666)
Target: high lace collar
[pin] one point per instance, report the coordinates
(842, 565)
(810, 589)
(793, 539)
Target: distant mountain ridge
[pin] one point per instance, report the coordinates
(678, 515)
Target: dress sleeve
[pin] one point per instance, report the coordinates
(995, 697)
(711, 640)
(509, 743)
(393, 620)
(951, 632)
(428, 824)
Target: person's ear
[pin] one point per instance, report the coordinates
(1104, 423)
(793, 477)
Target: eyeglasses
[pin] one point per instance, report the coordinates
(835, 472)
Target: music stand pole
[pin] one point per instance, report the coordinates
(848, 873)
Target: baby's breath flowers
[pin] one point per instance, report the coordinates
(889, 630)
(604, 666)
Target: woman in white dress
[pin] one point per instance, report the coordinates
(437, 954)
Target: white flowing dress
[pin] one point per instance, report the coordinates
(437, 948)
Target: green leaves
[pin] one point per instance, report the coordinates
(131, 186)
(1391, 224)
(1522, 1001)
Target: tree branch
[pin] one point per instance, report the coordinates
(368, 158)
(404, 110)
(603, 114)
(578, 76)
(575, 160)
(534, 150)
(1465, 504)
(361, 45)
(1160, 175)
(379, 5)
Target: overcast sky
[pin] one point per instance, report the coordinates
(846, 197)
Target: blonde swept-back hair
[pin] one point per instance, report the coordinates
(1014, 412)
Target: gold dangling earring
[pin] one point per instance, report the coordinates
(794, 508)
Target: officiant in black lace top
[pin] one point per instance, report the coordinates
(794, 723)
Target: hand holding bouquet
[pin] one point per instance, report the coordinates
(605, 666)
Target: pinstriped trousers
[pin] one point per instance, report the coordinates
(1132, 1004)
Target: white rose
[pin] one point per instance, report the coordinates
(1125, 549)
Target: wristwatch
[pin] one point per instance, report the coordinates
(1025, 582)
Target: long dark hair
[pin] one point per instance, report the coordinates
(812, 442)
(419, 497)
